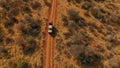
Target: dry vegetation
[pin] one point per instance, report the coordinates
(21, 33)
(88, 33)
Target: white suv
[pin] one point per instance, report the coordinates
(50, 28)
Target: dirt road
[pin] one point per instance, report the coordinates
(49, 40)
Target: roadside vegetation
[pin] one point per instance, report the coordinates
(91, 37)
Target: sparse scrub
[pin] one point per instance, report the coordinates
(87, 14)
(30, 47)
(12, 65)
(4, 53)
(30, 27)
(1, 35)
(74, 16)
(78, 1)
(36, 6)
(69, 0)
(9, 40)
(26, 0)
(22, 64)
(47, 2)
(26, 9)
(115, 19)
(10, 31)
(13, 12)
(96, 12)
(86, 5)
(89, 55)
(65, 20)
(9, 22)
(67, 35)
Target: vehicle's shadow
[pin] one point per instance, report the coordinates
(98, 64)
(55, 31)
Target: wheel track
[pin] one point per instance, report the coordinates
(49, 40)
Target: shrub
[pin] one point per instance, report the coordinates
(30, 47)
(36, 6)
(74, 16)
(65, 20)
(28, 50)
(22, 64)
(4, 53)
(26, 9)
(9, 40)
(86, 5)
(96, 12)
(34, 29)
(31, 27)
(89, 55)
(12, 64)
(115, 19)
(67, 35)
(9, 23)
(1, 35)
(14, 12)
(78, 1)
(47, 3)
(10, 31)
(25, 0)
(69, 0)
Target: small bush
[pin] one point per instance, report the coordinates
(28, 50)
(69, 0)
(10, 31)
(73, 15)
(26, 0)
(86, 5)
(30, 27)
(1, 35)
(89, 55)
(12, 64)
(47, 3)
(9, 40)
(22, 64)
(78, 1)
(96, 12)
(26, 9)
(9, 23)
(30, 47)
(65, 20)
(14, 12)
(4, 53)
(36, 6)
